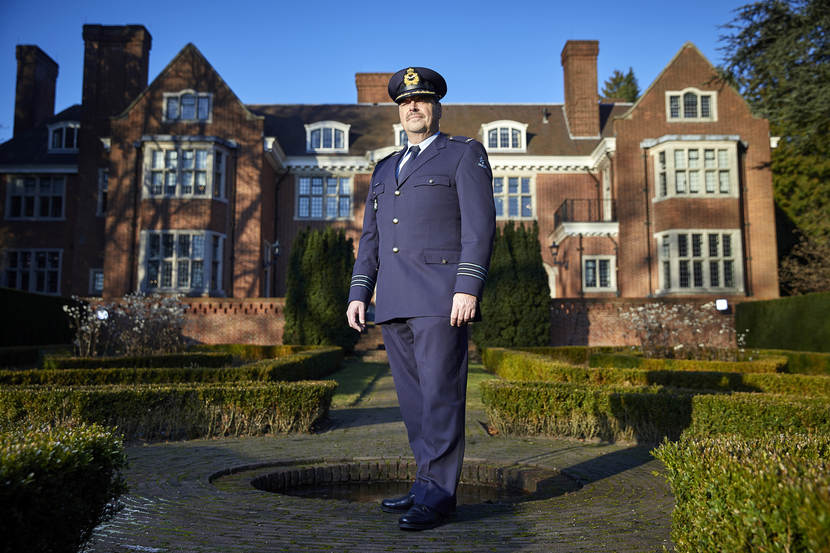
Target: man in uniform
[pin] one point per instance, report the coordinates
(427, 238)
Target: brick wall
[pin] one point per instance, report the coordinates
(257, 321)
(596, 322)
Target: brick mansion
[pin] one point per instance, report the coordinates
(177, 185)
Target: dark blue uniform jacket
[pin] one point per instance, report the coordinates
(428, 234)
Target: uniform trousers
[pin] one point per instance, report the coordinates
(428, 358)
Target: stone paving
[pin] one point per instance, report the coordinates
(611, 497)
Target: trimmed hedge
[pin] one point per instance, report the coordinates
(621, 361)
(199, 359)
(147, 412)
(57, 486)
(575, 355)
(802, 362)
(524, 366)
(643, 413)
(38, 319)
(310, 365)
(29, 356)
(733, 493)
(795, 323)
(251, 352)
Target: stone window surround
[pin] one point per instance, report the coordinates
(208, 267)
(103, 186)
(325, 194)
(37, 196)
(612, 273)
(508, 124)
(93, 277)
(506, 194)
(169, 143)
(713, 105)
(667, 146)
(334, 126)
(736, 247)
(32, 270)
(179, 95)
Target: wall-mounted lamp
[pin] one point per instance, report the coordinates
(722, 305)
(274, 250)
(554, 251)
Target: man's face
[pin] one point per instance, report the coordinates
(419, 114)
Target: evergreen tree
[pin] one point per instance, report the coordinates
(515, 306)
(319, 275)
(620, 85)
(778, 56)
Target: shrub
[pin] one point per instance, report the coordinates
(794, 323)
(142, 361)
(734, 493)
(616, 360)
(251, 352)
(515, 306)
(317, 363)
(524, 366)
(38, 319)
(644, 413)
(173, 411)
(27, 356)
(136, 325)
(802, 362)
(57, 485)
(319, 276)
(678, 330)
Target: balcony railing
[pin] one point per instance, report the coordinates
(585, 211)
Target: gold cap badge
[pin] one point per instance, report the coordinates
(411, 78)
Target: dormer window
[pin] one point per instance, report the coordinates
(327, 137)
(505, 136)
(187, 105)
(63, 136)
(691, 105)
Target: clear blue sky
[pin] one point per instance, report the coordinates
(308, 51)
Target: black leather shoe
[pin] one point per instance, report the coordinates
(421, 517)
(398, 504)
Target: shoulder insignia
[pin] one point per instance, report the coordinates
(481, 163)
(465, 139)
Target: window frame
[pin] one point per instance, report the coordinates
(699, 94)
(335, 126)
(32, 277)
(92, 274)
(325, 193)
(63, 126)
(210, 170)
(664, 161)
(612, 273)
(212, 270)
(103, 187)
(37, 196)
(510, 125)
(167, 96)
(505, 195)
(401, 139)
(669, 242)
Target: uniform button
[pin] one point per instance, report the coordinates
(444, 261)
(397, 192)
(395, 249)
(431, 181)
(395, 220)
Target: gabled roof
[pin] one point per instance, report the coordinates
(31, 147)
(372, 124)
(189, 49)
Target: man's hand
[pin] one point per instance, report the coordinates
(356, 315)
(463, 309)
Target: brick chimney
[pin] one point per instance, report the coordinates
(116, 64)
(579, 61)
(34, 99)
(372, 87)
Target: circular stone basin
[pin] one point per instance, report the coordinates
(370, 480)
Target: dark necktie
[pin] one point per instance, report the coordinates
(406, 169)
